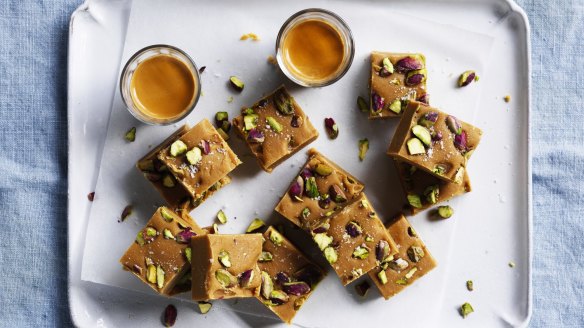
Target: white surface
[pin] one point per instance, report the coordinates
(492, 222)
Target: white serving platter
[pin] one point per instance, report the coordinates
(489, 232)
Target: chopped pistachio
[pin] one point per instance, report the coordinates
(414, 201)
(423, 134)
(204, 307)
(221, 116)
(131, 134)
(236, 83)
(225, 278)
(178, 148)
(362, 103)
(276, 238)
(255, 225)
(166, 215)
(363, 148)
(387, 65)
(412, 232)
(267, 285)
(167, 234)
(445, 211)
(298, 303)
(159, 276)
(396, 106)
(223, 134)
(466, 309)
(323, 170)
(361, 252)
(311, 188)
(252, 36)
(507, 98)
(148, 261)
(469, 285)
(401, 281)
(432, 193)
(168, 181)
(415, 147)
(330, 254)
(224, 258)
(151, 275)
(511, 264)
(265, 257)
(398, 264)
(215, 228)
(151, 232)
(459, 176)
(305, 213)
(322, 240)
(221, 217)
(194, 156)
(140, 238)
(415, 253)
(274, 124)
(284, 103)
(250, 121)
(369, 239)
(411, 273)
(188, 253)
(382, 277)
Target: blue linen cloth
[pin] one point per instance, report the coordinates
(33, 162)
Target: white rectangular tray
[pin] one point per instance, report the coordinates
(481, 249)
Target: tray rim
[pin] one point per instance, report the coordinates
(513, 7)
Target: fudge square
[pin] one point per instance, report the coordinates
(275, 128)
(354, 241)
(159, 255)
(434, 141)
(199, 159)
(155, 171)
(396, 79)
(288, 277)
(320, 190)
(424, 190)
(225, 266)
(411, 263)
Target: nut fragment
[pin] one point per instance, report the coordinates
(265, 257)
(204, 307)
(416, 77)
(460, 141)
(296, 189)
(330, 254)
(296, 121)
(469, 285)
(276, 238)
(432, 193)
(445, 211)
(166, 215)
(409, 63)
(224, 258)
(184, 237)
(221, 217)
(194, 156)
(159, 276)
(423, 134)
(278, 297)
(296, 288)
(151, 274)
(425, 98)
(311, 188)
(170, 314)
(466, 78)
(255, 225)
(323, 170)
(363, 148)
(466, 309)
(382, 277)
(167, 234)
(282, 278)
(362, 104)
(382, 250)
(411, 273)
(140, 239)
(236, 83)
(322, 240)
(428, 120)
(255, 136)
(131, 134)
(415, 147)
(396, 106)
(414, 201)
(225, 278)
(361, 252)
(178, 148)
(353, 229)
(332, 129)
(220, 117)
(415, 253)
(274, 124)
(267, 285)
(377, 103)
(337, 194)
(91, 196)
(398, 264)
(283, 102)
(387, 68)
(245, 278)
(188, 253)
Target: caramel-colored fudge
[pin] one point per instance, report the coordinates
(424, 190)
(199, 160)
(354, 241)
(225, 266)
(319, 191)
(163, 180)
(159, 255)
(288, 276)
(434, 141)
(275, 128)
(411, 263)
(395, 80)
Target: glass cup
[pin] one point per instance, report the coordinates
(335, 22)
(132, 65)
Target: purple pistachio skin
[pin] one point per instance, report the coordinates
(282, 278)
(453, 124)
(306, 173)
(468, 80)
(425, 98)
(297, 188)
(296, 288)
(353, 229)
(245, 277)
(414, 79)
(255, 135)
(205, 147)
(382, 250)
(437, 136)
(295, 122)
(378, 102)
(407, 64)
(332, 128)
(460, 141)
(170, 314)
(184, 237)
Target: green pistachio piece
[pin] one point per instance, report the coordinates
(215, 228)
(255, 225)
(283, 103)
(224, 258)
(178, 148)
(188, 253)
(412, 232)
(311, 188)
(221, 217)
(414, 201)
(382, 277)
(415, 146)
(397, 264)
(415, 253)
(167, 234)
(204, 307)
(159, 276)
(469, 285)
(223, 134)
(148, 261)
(330, 254)
(396, 106)
(466, 309)
(459, 175)
(369, 239)
(361, 252)
(194, 156)
(151, 232)
(220, 117)
(279, 297)
(250, 121)
(225, 278)
(236, 83)
(322, 240)
(445, 211)
(423, 134)
(439, 169)
(466, 78)
(305, 213)
(267, 285)
(151, 274)
(140, 238)
(410, 273)
(276, 127)
(147, 165)
(298, 303)
(323, 170)
(511, 264)
(131, 135)
(168, 181)
(362, 103)
(387, 65)
(166, 215)
(265, 257)
(363, 148)
(432, 193)
(401, 281)
(276, 238)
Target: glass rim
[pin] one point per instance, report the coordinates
(145, 118)
(333, 18)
